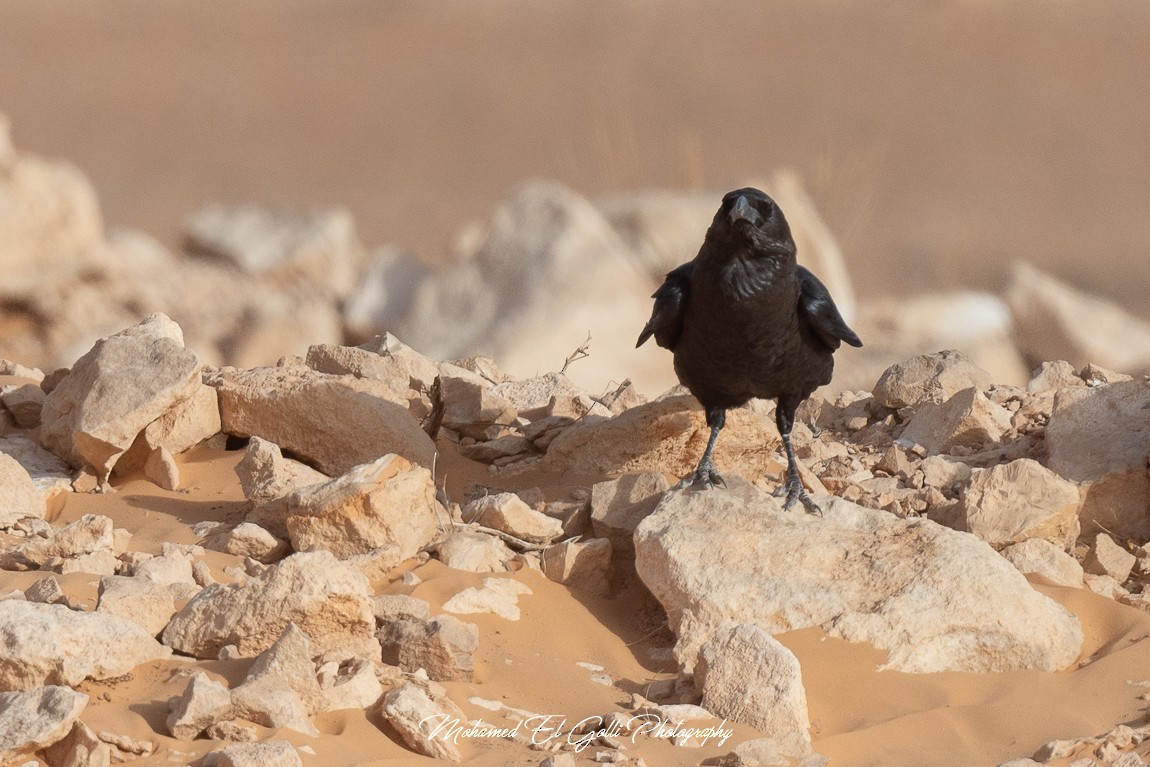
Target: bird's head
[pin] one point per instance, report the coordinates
(749, 245)
(749, 220)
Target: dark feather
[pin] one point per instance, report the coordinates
(818, 310)
(666, 322)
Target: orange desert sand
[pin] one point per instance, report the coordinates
(575, 655)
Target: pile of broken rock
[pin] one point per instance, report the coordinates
(940, 490)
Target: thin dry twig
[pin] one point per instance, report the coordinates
(580, 353)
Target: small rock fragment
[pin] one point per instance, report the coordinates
(36, 718)
(204, 702)
(933, 378)
(507, 512)
(388, 502)
(1041, 557)
(400, 607)
(46, 590)
(474, 552)
(1022, 499)
(967, 419)
(582, 565)
(1108, 558)
(269, 753)
(248, 539)
(442, 646)
(415, 715)
(80, 748)
(746, 675)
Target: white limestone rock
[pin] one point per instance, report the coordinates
(934, 598)
(113, 392)
(507, 512)
(51, 644)
(1041, 557)
(1022, 499)
(387, 502)
(328, 599)
(36, 718)
(746, 675)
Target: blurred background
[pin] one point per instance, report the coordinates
(937, 144)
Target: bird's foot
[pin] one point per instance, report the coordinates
(704, 478)
(794, 491)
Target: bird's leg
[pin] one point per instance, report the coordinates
(793, 487)
(706, 475)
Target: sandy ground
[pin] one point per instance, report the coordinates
(940, 140)
(861, 715)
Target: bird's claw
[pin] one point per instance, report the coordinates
(704, 478)
(794, 491)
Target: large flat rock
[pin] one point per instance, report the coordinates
(934, 598)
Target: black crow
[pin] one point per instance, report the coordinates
(744, 321)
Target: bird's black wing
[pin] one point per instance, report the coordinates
(666, 322)
(818, 309)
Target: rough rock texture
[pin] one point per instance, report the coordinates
(474, 552)
(290, 659)
(81, 747)
(666, 436)
(1098, 437)
(49, 473)
(353, 686)
(19, 496)
(415, 715)
(507, 512)
(619, 505)
(248, 539)
(113, 392)
(329, 600)
(51, 644)
(271, 701)
(1108, 558)
(90, 534)
(1041, 557)
(183, 426)
(400, 607)
(384, 358)
(746, 675)
(24, 403)
(1056, 374)
(267, 478)
(1014, 501)
(967, 419)
(269, 753)
(934, 598)
(584, 565)
(142, 601)
(471, 406)
(36, 718)
(387, 502)
(203, 703)
(442, 646)
(308, 412)
(928, 378)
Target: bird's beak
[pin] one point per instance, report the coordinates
(742, 210)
